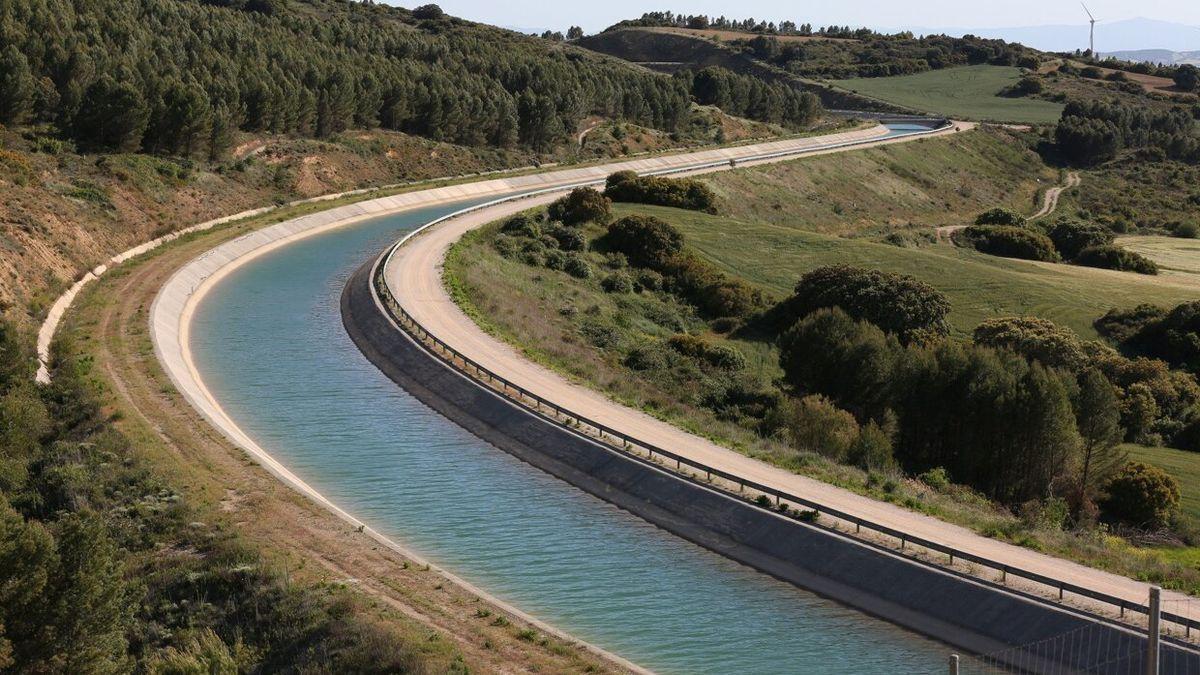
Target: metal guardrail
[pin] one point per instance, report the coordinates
(628, 444)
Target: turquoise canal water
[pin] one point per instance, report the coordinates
(269, 343)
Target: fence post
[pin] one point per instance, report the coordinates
(1152, 631)
(954, 664)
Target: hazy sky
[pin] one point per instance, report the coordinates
(595, 15)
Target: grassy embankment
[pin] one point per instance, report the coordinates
(967, 92)
(576, 328)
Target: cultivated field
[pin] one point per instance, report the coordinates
(979, 286)
(968, 92)
(1175, 255)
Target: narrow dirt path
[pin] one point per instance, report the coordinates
(587, 130)
(1049, 204)
(1050, 199)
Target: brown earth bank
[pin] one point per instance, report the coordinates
(110, 327)
(64, 212)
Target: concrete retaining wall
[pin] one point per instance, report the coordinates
(966, 613)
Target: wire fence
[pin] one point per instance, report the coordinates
(1088, 649)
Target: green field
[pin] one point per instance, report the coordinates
(1183, 465)
(1181, 256)
(967, 92)
(979, 286)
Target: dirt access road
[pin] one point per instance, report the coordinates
(1049, 205)
(414, 276)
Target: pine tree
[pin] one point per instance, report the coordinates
(1098, 417)
(17, 87)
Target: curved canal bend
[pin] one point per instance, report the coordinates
(269, 342)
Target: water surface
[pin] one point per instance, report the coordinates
(269, 343)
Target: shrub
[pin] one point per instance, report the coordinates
(872, 449)
(506, 247)
(1112, 257)
(1174, 336)
(1026, 86)
(1011, 242)
(577, 267)
(617, 282)
(1187, 230)
(1000, 216)
(815, 424)
(647, 280)
(682, 193)
(1120, 325)
(1141, 495)
(730, 298)
(647, 241)
(600, 333)
(556, 260)
(568, 239)
(724, 357)
(581, 205)
(1071, 236)
(936, 478)
(616, 261)
(896, 303)
(646, 357)
(521, 225)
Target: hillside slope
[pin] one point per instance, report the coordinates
(671, 52)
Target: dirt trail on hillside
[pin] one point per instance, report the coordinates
(1050, 199)
(1049, 205)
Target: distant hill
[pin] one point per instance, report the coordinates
(1162, 56)
(1125, 35)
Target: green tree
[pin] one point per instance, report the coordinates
(1098, 418)
(897, 303)
(581, 205)
(183, 121)
(1071, 237)
(647, 241)
(24, 422)
(1036, 338)
(113, 116)
(1141, 495)
(852, 362)
(28, 563)
(18, 88)
(1000, 216)
(1187, 77)
(89, 603)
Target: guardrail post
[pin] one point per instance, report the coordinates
(954, 664)
(1152, 632)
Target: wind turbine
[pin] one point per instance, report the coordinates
(1091, 32)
